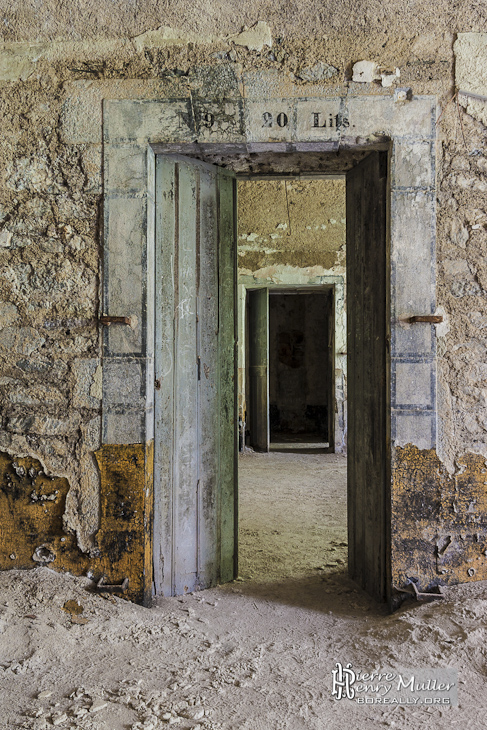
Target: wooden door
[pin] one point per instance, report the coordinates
(259, 423)
(195, 476)
(368, 380)
(331, 369)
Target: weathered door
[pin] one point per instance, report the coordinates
(195, 479)
(368, 380)
(259, 423)
(330, 371)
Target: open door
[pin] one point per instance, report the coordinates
(331, 370)
(259, 423)
(368, 380)
(195, 474)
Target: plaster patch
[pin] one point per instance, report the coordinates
(365, 72)
(255, 38)
(8, 314)
(471, 72)
(96, 386)
(5, 238)
(15, 66)
(166, 36)
(388, 79)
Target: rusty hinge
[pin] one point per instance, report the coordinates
(106, 320)
(198, 361)
(104, 587)
(431, 318)
(157, 383)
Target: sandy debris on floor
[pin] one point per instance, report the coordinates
(251, 655)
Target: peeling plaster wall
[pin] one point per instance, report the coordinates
(295, 223)
(33, 527)
(56, 67)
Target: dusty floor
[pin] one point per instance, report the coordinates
(254, 655)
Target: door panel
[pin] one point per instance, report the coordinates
(195, 418)
(368, 327)
(227, 312)
(331, 370)
(259, 369)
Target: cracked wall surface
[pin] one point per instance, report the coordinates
(56, 68)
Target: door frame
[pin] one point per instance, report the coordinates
(337, 414)
(135, 131)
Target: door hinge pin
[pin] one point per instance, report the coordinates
(104, 587)
(431, 318)
(107, 321)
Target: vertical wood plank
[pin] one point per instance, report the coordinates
(367, 281)
(208, 384)
(353, 492)
(330, 330)
(185, 462)
(164, 371)
(196, 407)
(228, 509)
(259, 368)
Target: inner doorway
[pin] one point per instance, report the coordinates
(196, 446)
(290, 367)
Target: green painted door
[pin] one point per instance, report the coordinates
(258, 310)
(195, 475)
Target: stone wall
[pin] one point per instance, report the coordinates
(56, 68)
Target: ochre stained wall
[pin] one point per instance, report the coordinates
(439, 532)
(293, 223)
(33, 530)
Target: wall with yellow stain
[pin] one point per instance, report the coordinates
(31, 519)
(439, 521)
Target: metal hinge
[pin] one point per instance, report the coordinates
(106, 320)
(431, 318)
(104, 587)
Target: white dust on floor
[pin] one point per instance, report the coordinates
(252, 655)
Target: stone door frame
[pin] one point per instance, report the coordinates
(135, 131)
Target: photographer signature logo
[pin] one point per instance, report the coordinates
(428, 686)
(343, 679)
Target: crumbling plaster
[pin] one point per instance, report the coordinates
(53, 59)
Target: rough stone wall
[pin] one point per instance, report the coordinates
(49, 282)
(462, 287)
(50, 191)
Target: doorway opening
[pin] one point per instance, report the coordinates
(301, 368)
(296, 411)
(292, 486)
(196, 200)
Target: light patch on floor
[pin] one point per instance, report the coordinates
(292, 513)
